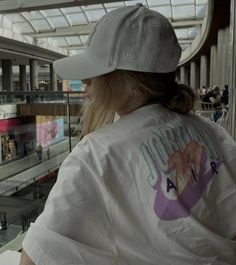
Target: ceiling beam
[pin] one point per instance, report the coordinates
(74, 47)
(86, 29)
(178, 24)
(63, 32)
(15, 6)
(185, 41)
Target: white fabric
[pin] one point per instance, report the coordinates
(130, 38)
(155, 187)
(10, 257)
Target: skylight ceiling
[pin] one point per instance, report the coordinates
(69, 27)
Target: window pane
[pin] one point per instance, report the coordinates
(193, 32)
(84, 38)
(116, 4)
(164, 10)
(182, 2)
(69, 10)
(201, 2)
(33, 15)
(111, 8)
(60, 41)
(158, 2)
(14, 18)
(184, 46)
(201, 11)
(183, 11)
(24, 27)
(51, 12)
(41, 24)
(77, 19)
(73, 40)
(94, 15)
(181, 33)
(6, 24)
(73, 52)
(58, 22)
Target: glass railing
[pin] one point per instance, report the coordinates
(8, 97)
(32, 147)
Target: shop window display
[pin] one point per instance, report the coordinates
(8, 148)
(17, 138)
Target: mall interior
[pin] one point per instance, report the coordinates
(40, 113)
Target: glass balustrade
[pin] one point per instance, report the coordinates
(37, 132)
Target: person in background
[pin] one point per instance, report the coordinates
(25, 148)
(158, 186)
(225, 96)
(39, 151)
(12, 148)
(48, 152)
(202, 91)
(214, 97)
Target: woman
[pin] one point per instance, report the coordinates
(151, 188)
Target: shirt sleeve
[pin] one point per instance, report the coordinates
(74, 227)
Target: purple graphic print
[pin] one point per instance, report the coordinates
(189, 172)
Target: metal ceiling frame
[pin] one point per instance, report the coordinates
(13, 6)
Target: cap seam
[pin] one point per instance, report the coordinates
(116, 29)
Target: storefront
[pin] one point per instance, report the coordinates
(17, 138)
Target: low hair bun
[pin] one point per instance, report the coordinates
(183, 100)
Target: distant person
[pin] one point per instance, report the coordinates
(3, 220)
(213, 97)
(28, 99)
(25, 148)
(48, 153)
(225, 96)
(202, 91)
(39, 151)
(12, 148)
(158, 186)
(36, 96)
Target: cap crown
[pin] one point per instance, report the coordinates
(134, 38)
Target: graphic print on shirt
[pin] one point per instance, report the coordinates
(180, 168)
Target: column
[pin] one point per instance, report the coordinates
(7, 78)
(183, 75)
(194, 75)
(34, 81)
(232, 76)
(219, 68)
(23, 83)
(213, 63)
(204, 71)
(53, 79)
(226, 58)
(187, 74)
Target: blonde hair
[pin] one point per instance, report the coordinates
(163, 89)
(160, 88)
(94, 116)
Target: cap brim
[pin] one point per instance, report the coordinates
(79, 67)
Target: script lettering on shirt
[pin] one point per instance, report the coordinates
(181, 163)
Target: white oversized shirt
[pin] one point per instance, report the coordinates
(154, 188)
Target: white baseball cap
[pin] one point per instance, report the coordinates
(130, 38)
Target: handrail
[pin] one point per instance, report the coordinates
(40, 92)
